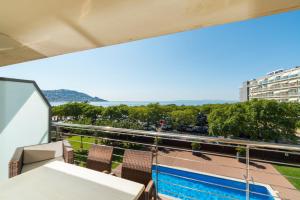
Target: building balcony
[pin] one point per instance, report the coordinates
(274, 88)
(292, 78)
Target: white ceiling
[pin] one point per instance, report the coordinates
(34, 29)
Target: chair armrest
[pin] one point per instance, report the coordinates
(68, 152)
(16, 163)
(150, 191)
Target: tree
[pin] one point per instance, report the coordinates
(155, 113)
(216, 120)
(138, 114)
(272, 120)
(201, 119)
(257, 119)
(183, 118)
(73, 109)
(58, 111)
(92, 112)
(229, 120)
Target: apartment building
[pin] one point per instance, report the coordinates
(281, 85)
(244, 91)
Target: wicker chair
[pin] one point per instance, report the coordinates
(137, 166)
(31, 157)
(100, 158)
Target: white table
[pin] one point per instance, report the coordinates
(61, 181)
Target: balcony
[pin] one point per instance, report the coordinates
(276, 87)
(178, 156)
(183, 167)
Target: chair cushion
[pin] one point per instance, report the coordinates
(32, 156)
(42, 152)
(31, 166)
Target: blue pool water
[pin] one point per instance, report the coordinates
(204, 186)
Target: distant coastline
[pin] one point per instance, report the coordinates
(141, 103)
(64, 95)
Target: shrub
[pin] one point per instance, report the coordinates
(195, 146)
(241, 150)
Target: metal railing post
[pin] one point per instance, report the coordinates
(247, 173)
(96, 139)
(156, 164)
(57, 133)
(81, 144)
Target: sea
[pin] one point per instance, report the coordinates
(143, 103)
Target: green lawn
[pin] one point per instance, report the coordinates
(81, 154)
(290, 171)
(76, 144)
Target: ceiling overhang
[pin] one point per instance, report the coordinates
(34, 29)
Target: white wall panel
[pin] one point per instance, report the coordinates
(24, 119)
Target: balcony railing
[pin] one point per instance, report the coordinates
(278, 95)
(278, 80)
(216, 156)
(272, 88)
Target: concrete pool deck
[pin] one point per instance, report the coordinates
(225, 166)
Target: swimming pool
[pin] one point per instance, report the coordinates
(176, 183)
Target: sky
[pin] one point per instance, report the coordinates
(203, 64)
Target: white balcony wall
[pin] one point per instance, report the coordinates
(24, 119)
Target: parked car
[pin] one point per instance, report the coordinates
(166, 127)
(200, 129)
(149, 127)
(189, 129)
(181, 128)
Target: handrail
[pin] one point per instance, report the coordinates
(181, 149)
(148, 145)
(185, 159)
(185, 137)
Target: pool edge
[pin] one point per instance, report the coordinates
(273, 192)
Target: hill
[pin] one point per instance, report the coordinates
(64, 95)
